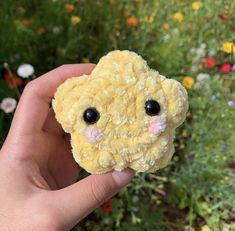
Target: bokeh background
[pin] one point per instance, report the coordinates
(191, 41)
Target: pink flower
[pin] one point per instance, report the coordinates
(209, 62)
(8, 105)
(226, 67)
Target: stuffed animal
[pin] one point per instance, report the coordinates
(122, 115)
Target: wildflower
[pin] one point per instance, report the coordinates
(166, 26)
(196, 5)
(69, 7)
(166, 38)
(202, 81)
(201, 77)
(56, 30)
(40, 31)
(224, 16)
(132, 21)
(228, 47)
(226, 68)
(75, 20)
(205, 228)
(25, 70)
(8, 105)
(188, 82)
(231, 103)
(149, 19)
(213, 97)
(106, 207)
(178, 16)
(12, 80)
(209, 62)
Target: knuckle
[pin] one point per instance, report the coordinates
(102, 190)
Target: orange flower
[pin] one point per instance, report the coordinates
(132, 21)
(40, 31)
(12, 79)
(69, 7)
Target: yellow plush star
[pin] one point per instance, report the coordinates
(123, 114)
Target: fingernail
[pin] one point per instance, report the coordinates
(123, 178)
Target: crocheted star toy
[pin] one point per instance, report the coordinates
(122, 115)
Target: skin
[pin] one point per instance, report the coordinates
(38, 188)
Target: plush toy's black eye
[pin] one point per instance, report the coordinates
(91, 115)
(152, 107)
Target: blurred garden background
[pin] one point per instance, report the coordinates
(191, 41)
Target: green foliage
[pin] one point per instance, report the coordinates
(197, 188)
(204, 183)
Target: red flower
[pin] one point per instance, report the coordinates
(107, 206)
(226, 67)
(132, 21)
(209, 62)
(224, 17)
(12, 79)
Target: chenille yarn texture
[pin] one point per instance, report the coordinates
(124, 134)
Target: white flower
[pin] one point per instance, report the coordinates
(202, 77)
(203, 46)
(56, 30)
(202, 81)
(200, 51)
(25, 70)
(166, 38)
(8, 105)
(231, 103)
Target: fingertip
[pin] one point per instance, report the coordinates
(122, 178)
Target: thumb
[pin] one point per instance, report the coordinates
(78, 200)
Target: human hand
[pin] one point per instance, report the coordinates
(38, 188)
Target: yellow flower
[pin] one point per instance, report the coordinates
(188, 82)
(166, 26)
(205, 228)
(228, 47)
(196, 5)
(178, 16)
(185, 133)
(75, 20)
(149, 19)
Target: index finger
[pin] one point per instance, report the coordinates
(34, 103)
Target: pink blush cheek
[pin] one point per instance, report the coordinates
(157, 125)
(93, 134)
